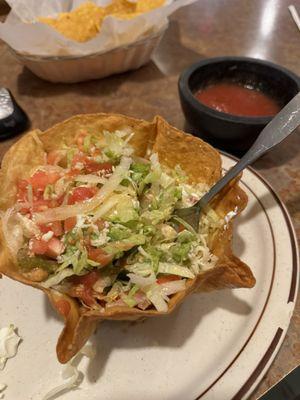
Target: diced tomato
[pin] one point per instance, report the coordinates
(55, 248)
(87, 297)
(73, 172)
(22, 190)
(167, 278)
(80, 139)
(22, 184)
(87, 280)
(22, 194)
(100, 256)
(78, 158)
(52, 248)
(83, 293)
(95, 151)
(92, 166)
(38, 182)
(89, 165)
(80, 194)
(38, 246)
(70, 223)
(181, 228)
(63, 307)
(41, 204)
(100, 224)
(84, 287)
(106, 166)
(41, 179)
(54, 157)
(55, 227)
(44, 228)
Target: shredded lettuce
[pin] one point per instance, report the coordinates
(143, 269)
(124, 211)
(158, 299)
(116, 145)
(139, 171)
(81, 263)
(70, 155)
(114, 292)
(87, 143)
(117, 247)
(175, 269)
(119, 232)
(57, 278)
(156, 216)
(48, 192)
(129, 300)
(180, 252)
(186, 236)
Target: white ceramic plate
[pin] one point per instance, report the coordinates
(217, 346)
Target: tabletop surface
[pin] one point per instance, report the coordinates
(208, 28)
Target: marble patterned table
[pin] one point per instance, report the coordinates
(257, 28)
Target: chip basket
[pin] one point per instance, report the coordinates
(71, 69)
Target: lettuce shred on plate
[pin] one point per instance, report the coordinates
(96, 222)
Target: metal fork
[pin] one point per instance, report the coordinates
(281, 126)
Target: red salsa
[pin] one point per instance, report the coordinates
(232, 98)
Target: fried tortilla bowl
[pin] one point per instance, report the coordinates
(201, 163)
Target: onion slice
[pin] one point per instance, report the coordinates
(174, 269)
(173, 287)
(141, 280)
(67, 211)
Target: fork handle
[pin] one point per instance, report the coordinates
(284, 123)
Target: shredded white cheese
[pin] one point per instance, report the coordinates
(9, 342)
(71, 374)
(200, 256)
(168, 232)
(101, 238)
(80, 221)
(47, 236)
(30, 229)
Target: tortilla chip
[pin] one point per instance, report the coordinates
(81, 24)
(200, 162)
(84, 22)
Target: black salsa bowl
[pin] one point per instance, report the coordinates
(228, 132)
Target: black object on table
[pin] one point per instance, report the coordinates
(287, 389)
(13, 119)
